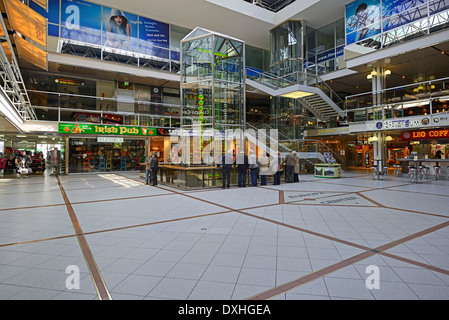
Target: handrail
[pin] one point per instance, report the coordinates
(107, 98)
(396, 88)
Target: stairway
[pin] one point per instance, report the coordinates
(314, 94)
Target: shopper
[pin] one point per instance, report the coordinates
(253, 167)
(263, 166)
(296, 167)
(277, 169)
(154, 167)
(226, 165)
(289, 163)
(242, 168)
(147, 168)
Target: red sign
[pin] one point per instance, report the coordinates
(426, 134)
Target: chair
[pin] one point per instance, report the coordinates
(373, 172)
(396, 170)
(437, 172)
(412, 174)
(423, 174)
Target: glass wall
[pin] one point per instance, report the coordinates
(212, 85)
(286, 48)
(324, 46)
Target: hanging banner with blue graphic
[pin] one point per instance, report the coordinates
(400, 12)
(363, 20)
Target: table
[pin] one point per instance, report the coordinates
(429, 162)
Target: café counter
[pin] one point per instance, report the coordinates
(430, 163)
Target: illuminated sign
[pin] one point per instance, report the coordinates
(79, 128)
(426, 134)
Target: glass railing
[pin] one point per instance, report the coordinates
(415, 99)
(63, 107)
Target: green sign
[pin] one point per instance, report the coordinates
(79, 128)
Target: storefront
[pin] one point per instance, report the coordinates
(429, 144)
(106, 148)
(29, 151)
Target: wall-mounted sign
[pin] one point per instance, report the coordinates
(78, 128)
(426, 134)
(110, 139)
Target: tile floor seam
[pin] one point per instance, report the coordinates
(410, 237)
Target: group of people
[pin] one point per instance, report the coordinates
(259, 167)
(151, 168)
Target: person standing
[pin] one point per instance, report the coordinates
(154, 167)
(242, 168)
(226, 165)
(263, 165)
(296, 167)
(147, 168)
(289, 163)
(253, 167)
(277, 161)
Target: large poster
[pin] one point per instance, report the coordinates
(81, 21)
(154, 32)
(120, 29)
(113, 28)
(399, 12)
(363, 20)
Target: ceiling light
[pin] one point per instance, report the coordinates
(387, 72)
(374, 73)
(20, 136)
(296, 94)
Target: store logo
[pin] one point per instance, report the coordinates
(425, 121)
(379, 125)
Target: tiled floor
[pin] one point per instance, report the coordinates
(316, 239)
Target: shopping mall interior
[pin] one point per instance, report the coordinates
(358, 90)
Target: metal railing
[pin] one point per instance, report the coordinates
(423, 98)
(64, 107)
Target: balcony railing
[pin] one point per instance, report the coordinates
(64, 107)
(423, 98)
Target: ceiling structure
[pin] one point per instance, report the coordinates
(253, 24)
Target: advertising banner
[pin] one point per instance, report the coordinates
(27, 22)
(81, 21)
(31, 53)
(363, 20)
(120, 29)
(154, 32)
(399, 12)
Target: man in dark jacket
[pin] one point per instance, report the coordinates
(242, 168)
(289, 162)
(226, 164)
(154, 167)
